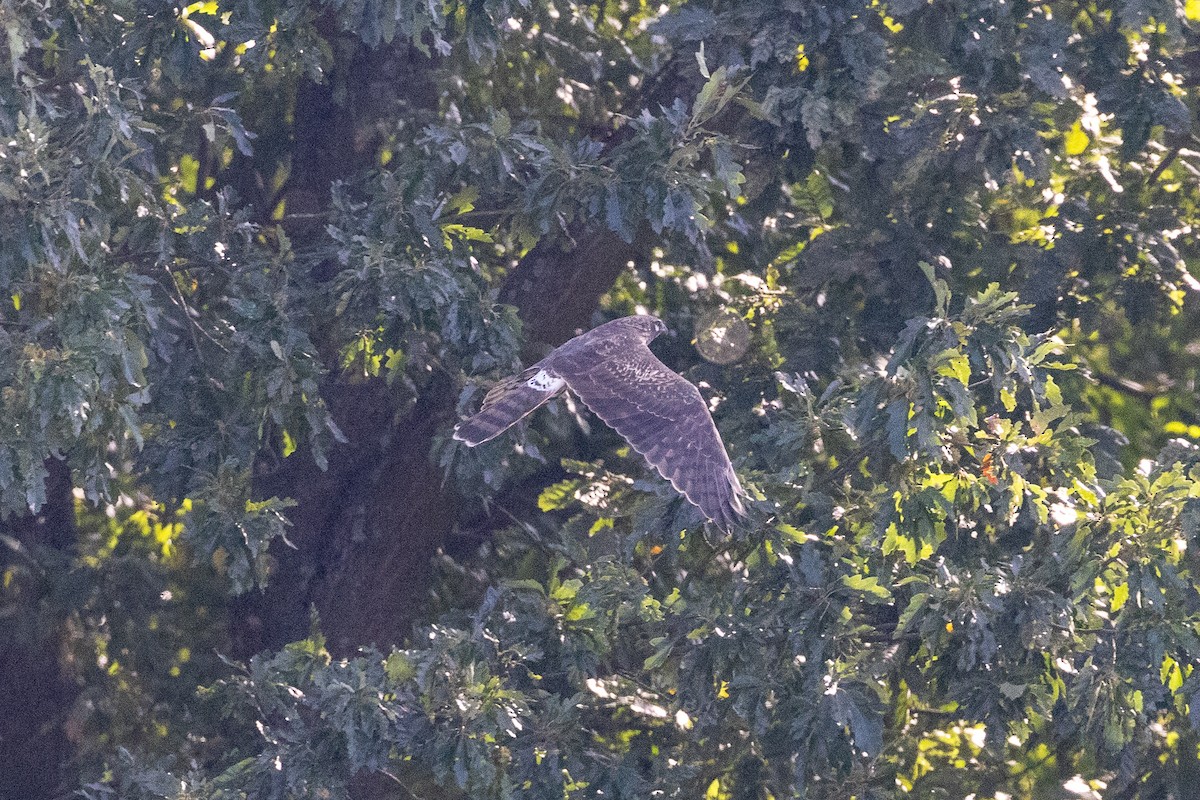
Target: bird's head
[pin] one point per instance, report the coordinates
(641, 326)
(651, 327)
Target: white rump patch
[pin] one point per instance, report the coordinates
(545, 382)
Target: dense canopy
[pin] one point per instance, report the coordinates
(257, 257)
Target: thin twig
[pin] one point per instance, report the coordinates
(187, 313)
(1125, 385)
(401, 784)
(1162, 165)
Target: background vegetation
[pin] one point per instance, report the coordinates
(256, 256)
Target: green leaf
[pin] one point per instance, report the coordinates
(662, 651)
(399, 668)
(1012, 690)
(941, 290)
(526, 584)
(867, 584)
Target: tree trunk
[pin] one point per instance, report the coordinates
(556, 288)
(34, 745)
(366, 529)
(376, 574)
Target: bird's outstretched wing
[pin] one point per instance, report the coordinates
(664, 418)
(507, 403)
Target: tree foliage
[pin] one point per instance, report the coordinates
(254, 256)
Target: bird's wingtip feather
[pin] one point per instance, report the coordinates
(460, 435)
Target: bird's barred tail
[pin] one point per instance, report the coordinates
(507, 403)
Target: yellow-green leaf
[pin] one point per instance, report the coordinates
(463, 201)
(581, 611)
(557, 495)
(1075, 141)
(567, 589)
(1053, 393)
(957, 366)
(792, 532)
(1119, 596)
(599, 525)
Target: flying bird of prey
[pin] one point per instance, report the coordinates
(660, 414)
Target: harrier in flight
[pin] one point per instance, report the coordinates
(660, 414)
